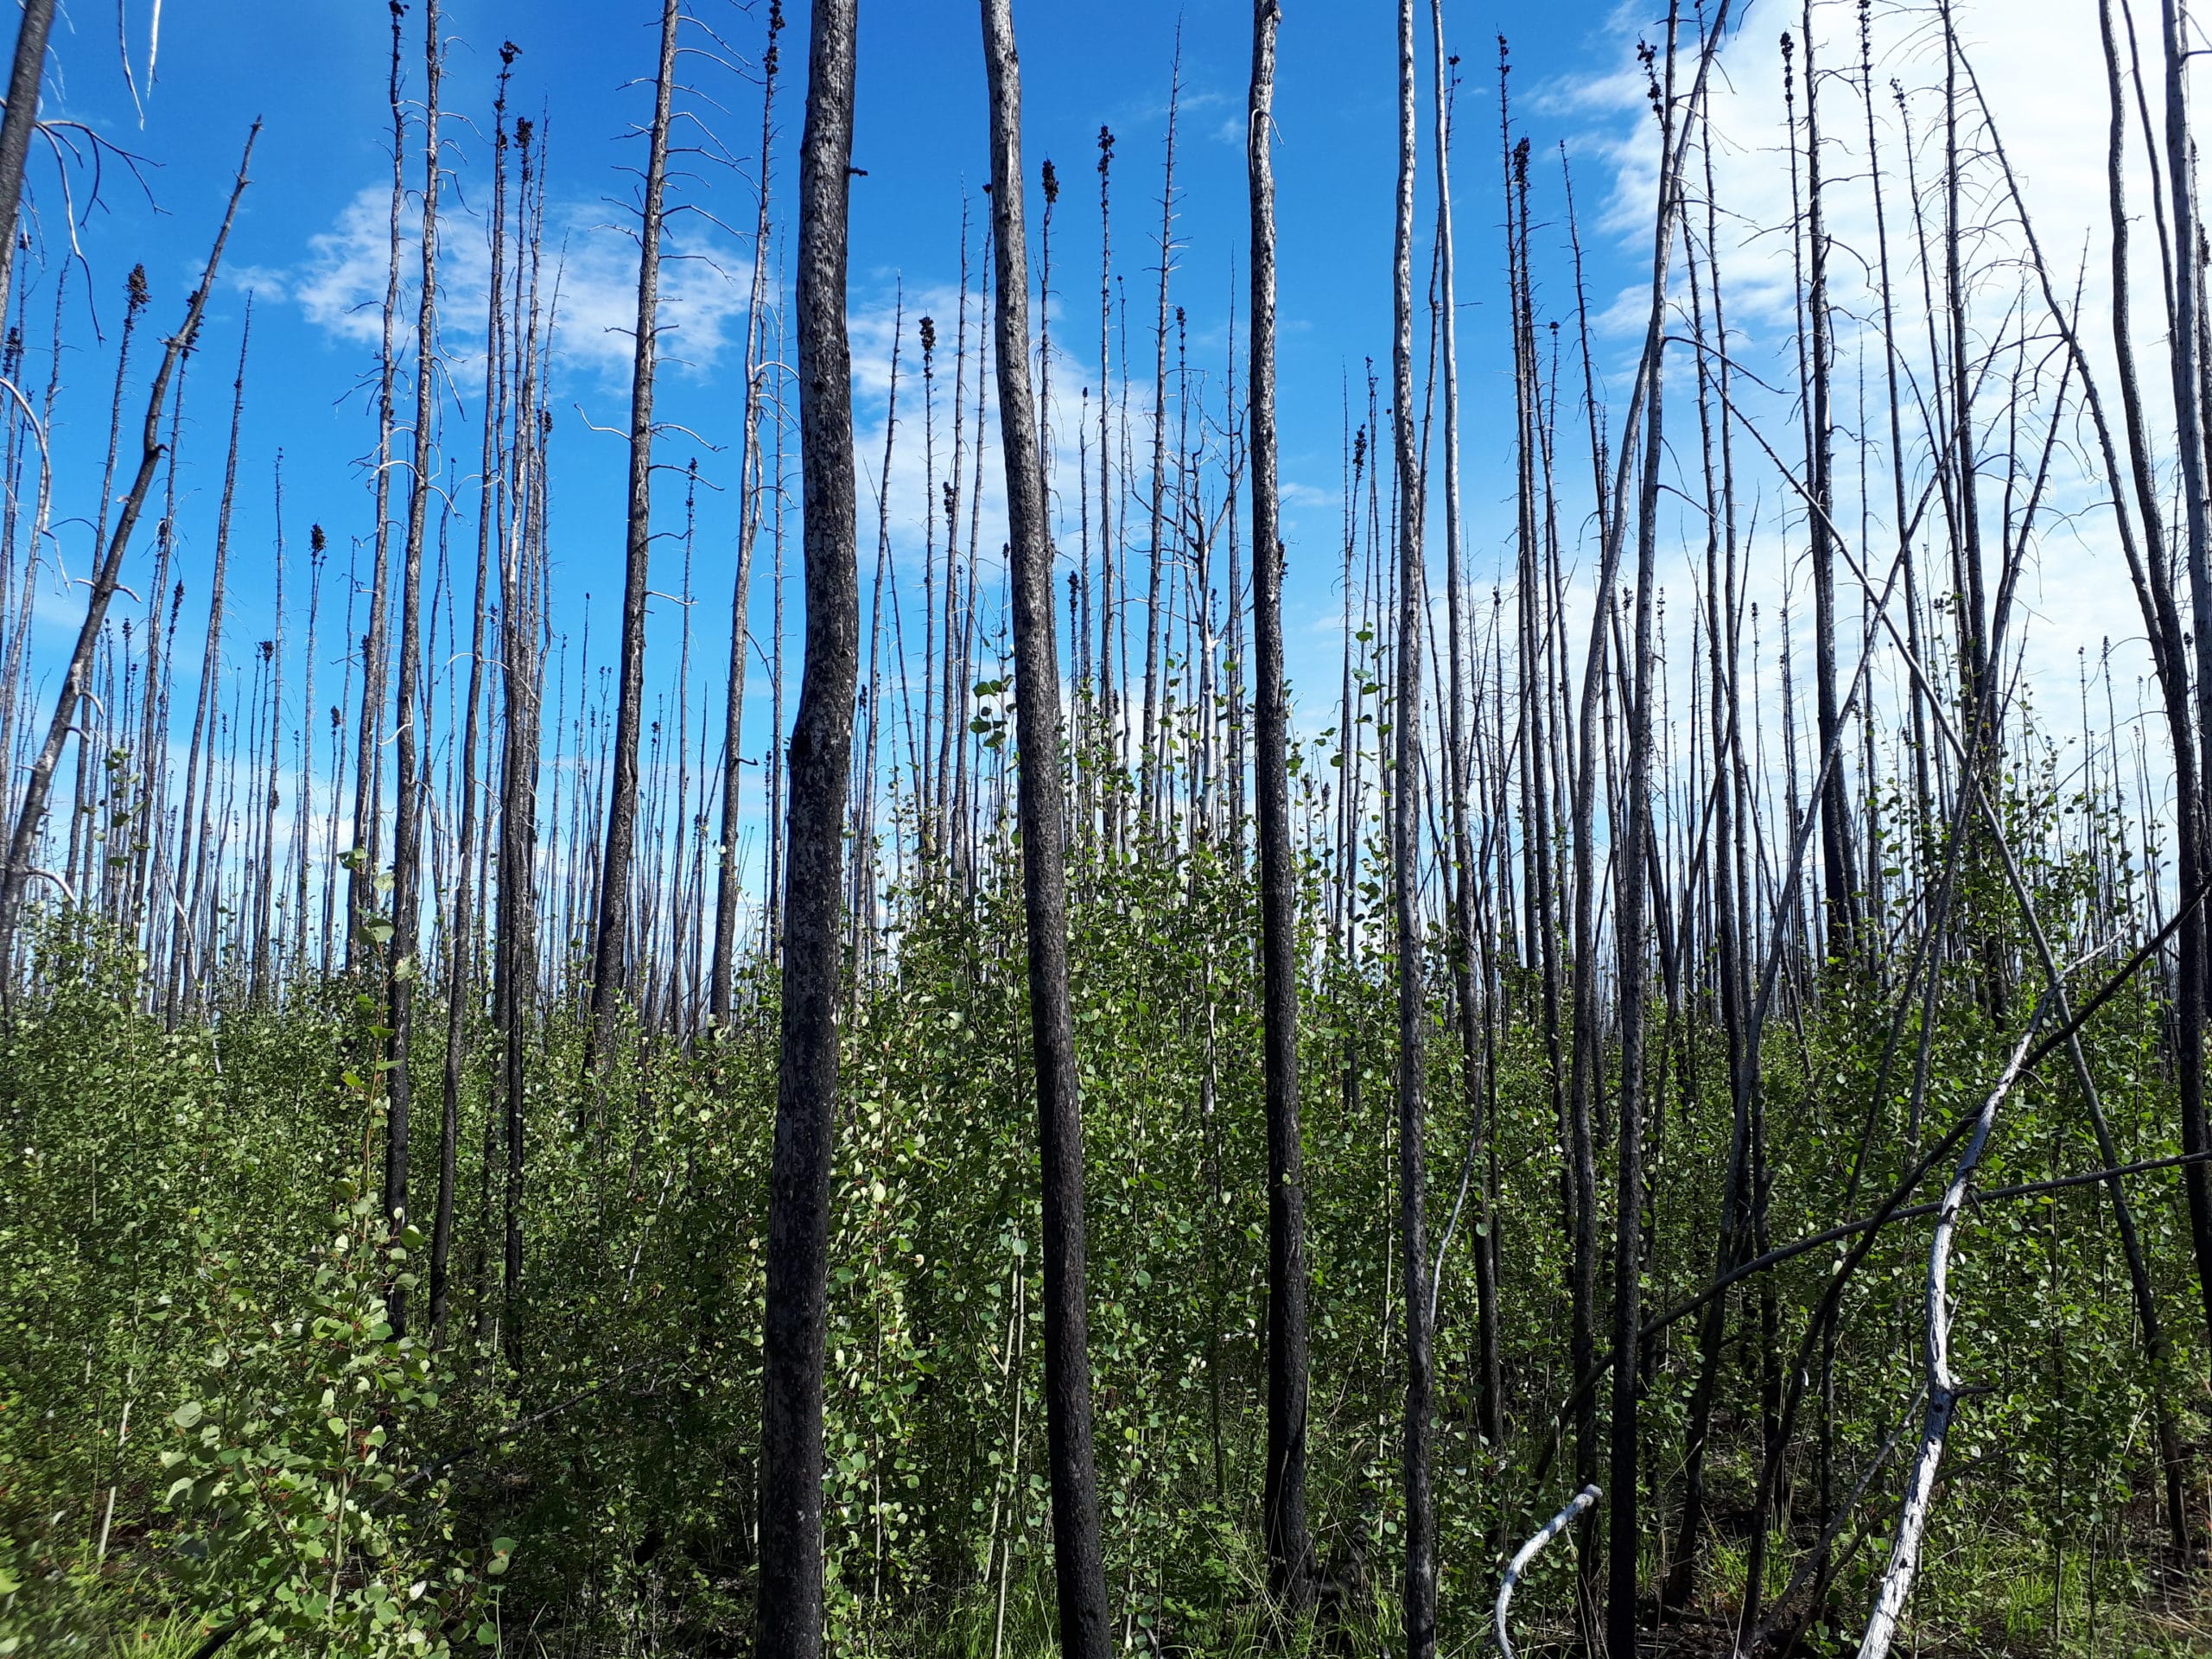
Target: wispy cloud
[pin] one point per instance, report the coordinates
(590, 275)
(2038, 65)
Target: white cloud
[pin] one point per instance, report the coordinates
(2039, 64)
(590, 274)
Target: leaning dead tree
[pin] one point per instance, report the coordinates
(19, 120)
(22, 845)
(1895, 1587)
(1525, 1556)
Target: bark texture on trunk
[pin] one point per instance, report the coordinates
(789, 1611)
(1290, 1550)
(611, 943)
(1077, 1557)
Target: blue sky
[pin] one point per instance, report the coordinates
(309, 236)
(309, 247)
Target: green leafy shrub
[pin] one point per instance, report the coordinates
(290, 1464)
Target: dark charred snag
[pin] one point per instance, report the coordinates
(1290, 1550)
(368, 736)
(410, 718)
(1151, 786)
(1631, 906)
(461, 940)
(19, 120)
(788, 1614)
(611, 945)
(1077, 1558)
(522, 713)
(2186, 362)
(1405, 796)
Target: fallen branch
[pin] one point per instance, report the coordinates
(1815, 1568)
(1528, 1552)
(1943, 1392)
(1893, 1208)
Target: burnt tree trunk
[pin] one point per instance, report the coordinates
(407, 824)
(18, 124)
(368, 773)
(1420, 1586)
(789, 1610)
(727, 895)
(2189, 445)
(610, 948)
(1077, 1556)
(1290, 1550)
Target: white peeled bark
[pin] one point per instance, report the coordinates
(1895, 1587)
(1528, 1552)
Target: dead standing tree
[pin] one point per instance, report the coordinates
(1631, 906)
(368, 773)
(23, 843)
(1290, 1550)
(1420, 1585)
(461, 954)
(1084, 1632)
(611, 946)
(403, 962)
(2187, 356)
(728, 897)
(788, 1617)
(522, 604)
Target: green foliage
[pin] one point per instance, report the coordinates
(293, 1520)
(170, 1245)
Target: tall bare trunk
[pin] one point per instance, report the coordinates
(1453, 714)
(2189, 445)
(789, 1606)
(611, 947)
(368, 772)
(728, 897)
(1405, 795)
(1076, 1554)
(410, 716)
(521, 603)
(461, 943)
(1630, 904)
(1110, 715)
(1290, 1550)
(194, 828)
(1837, 884)
(1153, 788)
